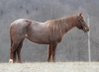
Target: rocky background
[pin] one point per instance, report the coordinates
(74, 46)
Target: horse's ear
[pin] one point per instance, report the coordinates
(80, 14)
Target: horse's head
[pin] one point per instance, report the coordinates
(81, 24)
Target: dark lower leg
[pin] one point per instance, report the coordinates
(53, 52)
(14, 57)
(53, 55)
(19, 51)
(49, 56)
(13, 53)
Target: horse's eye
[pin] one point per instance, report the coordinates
(81, 21)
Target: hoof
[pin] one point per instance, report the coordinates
(11, 61)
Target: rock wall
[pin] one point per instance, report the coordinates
(74, 46)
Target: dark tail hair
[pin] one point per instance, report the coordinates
(11, 37)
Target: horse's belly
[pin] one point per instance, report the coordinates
(39, 33)
(39, 38)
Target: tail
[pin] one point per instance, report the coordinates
(11, 38)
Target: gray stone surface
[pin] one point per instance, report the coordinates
(74, 46)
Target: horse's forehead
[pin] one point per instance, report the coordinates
(81, 17)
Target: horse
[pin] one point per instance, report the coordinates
(49, 32)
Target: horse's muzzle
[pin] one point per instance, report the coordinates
(86, 29)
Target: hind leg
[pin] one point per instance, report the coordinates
(19, 51)
(14, 59)
(13, 53)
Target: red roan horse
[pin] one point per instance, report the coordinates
(50, 32)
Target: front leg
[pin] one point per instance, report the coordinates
(52, 50)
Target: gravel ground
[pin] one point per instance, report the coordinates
(50, 67)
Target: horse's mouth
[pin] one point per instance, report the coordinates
(86, 29)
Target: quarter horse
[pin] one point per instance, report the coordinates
(49, 32)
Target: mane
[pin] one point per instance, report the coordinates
(61, 25)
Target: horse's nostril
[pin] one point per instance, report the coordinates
(86, 29)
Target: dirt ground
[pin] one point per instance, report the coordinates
(50, 67)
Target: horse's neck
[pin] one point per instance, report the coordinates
(66, 23)
(70, 22)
